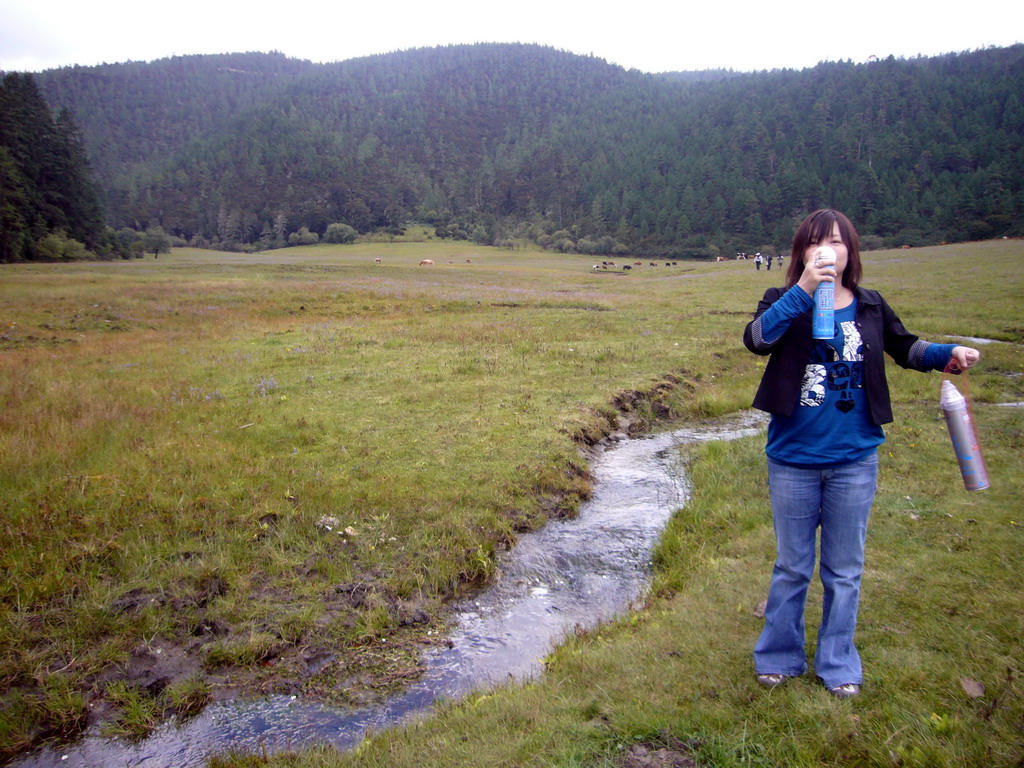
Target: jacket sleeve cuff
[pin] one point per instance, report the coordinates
(926, 356)
(757, 332)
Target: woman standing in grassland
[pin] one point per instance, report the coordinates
(828, 400)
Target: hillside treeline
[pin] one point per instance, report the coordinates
(498, 141)
(48, 204)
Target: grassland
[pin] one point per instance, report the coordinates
(217, 466)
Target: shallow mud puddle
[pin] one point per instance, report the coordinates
(571, 572)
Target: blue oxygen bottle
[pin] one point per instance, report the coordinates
(823, 326)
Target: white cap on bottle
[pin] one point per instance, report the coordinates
(825, 252)
(950, 397)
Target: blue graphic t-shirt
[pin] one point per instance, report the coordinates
(830, 424)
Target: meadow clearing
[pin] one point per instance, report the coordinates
(215, 467)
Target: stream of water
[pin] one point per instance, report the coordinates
(578, 571)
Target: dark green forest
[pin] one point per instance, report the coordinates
(499, 141)
(49, 207)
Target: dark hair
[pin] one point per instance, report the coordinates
(816, 228)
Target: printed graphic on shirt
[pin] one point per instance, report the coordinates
(853, 348)
(832, 371)
(812, 390)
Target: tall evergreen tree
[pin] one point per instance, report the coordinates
(14, 229)
(80, 201)
(45, 183)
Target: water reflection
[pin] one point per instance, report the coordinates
(571, 572)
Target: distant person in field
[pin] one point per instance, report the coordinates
(768, 262)
(757, 261)
(828, 401)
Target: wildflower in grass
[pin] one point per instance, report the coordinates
(196, 394)
(265, 386)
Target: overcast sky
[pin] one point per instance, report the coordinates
(651, 36)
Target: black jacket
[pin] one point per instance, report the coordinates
(880, 329)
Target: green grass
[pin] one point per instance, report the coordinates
(178, 435)
(941, 603)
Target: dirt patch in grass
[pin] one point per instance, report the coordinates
(672, 753)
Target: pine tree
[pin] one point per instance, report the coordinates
(45, 186)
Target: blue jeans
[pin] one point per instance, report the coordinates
(838, 500)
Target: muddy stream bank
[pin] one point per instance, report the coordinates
(577, 571)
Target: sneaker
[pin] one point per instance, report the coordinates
(771, 681)
(845, 691)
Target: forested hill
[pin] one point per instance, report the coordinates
(499, 140)
(140, 112)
